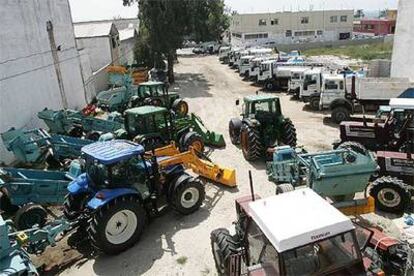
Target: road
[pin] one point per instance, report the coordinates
(180, 245)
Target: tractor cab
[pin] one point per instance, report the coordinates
(152, 89)
(271, 239)
(261, 107)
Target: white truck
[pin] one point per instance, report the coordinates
(296, 79)
(310, 87)
(223, 54)
(209, 47)
(344, 96)
(255, 63)
(250, 54)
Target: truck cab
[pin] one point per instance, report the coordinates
(266, 70)
(255, 66)
(296, 78)
(224, 54)
(245, 64)
(332, 88)
(311, 84)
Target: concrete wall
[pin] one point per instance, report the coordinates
(99, 50)
(127, 51)
(402, 56)
(28, 81)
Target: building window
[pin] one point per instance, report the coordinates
(288, 33)
(344, 18)
(305, 33)
(114, 44)
(255, 36)
(369, 27)
(236, 35)
(274, 21)
(304, 20)
(334, 19)
(262, 22)
(319, 32)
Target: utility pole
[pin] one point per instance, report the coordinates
(49, 28)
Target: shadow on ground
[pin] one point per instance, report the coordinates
(192, 85)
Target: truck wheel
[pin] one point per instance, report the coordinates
(391, 194)
(340, 114)
(187, 196)
(314, 103)
(250, 143)
(235, 126)
(117, 225)
(29, 215)
(289, 134)
(74, 205)
(194, 140)
(354, 146)
(180, 107)
(222, 247)
(269, 86)
(284, 188)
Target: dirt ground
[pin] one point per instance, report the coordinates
(180, 245)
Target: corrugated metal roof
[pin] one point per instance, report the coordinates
(126, 34)
(92, 29)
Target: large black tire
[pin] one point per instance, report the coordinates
(391, 195)
(29, 215)
(284, 188)
(251, 145)
(235, 126)
(93, 135)
(180, 107)
(194, 140)
(75, 131)
(340, 114)
(314, 103)
(222, 247)
(187, 195)
(5, 203)
(150, 143)
(124, 217)
(354, 146)
(269, 86)
(289, 134)
(74, 205)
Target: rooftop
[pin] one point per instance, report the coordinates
(110, 152)
(126, 34)
(297, 218)
(96, 29)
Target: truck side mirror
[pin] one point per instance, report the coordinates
(237, 102)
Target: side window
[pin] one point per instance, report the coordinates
(270, 259)
(331, 85)
(341, 85)
(255, 240)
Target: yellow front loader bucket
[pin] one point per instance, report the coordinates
(356, 207)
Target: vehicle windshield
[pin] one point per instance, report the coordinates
(150, 90)
(265, 67)
(296, 76)
(263, 107)
(145, 123)
(323, 257)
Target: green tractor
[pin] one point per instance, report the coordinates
(262, 127)
(155, 126)
(156, 93)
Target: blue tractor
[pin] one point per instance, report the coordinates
(121, 188)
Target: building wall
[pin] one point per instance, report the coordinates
(402, 57)
(99, 50)
(304, 26)
(28, 81)
(127, 51)
(375, 27)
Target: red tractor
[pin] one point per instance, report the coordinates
(282, 235)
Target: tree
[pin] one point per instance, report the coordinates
(359, 14)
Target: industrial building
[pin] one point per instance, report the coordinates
(291, 27)
(375, 27)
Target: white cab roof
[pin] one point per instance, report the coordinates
(333, 76)
(402, 103)
(315, 70)
(247, 57)
(299, 69)
(297, 218)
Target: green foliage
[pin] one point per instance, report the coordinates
(142, 51)
(364, 52)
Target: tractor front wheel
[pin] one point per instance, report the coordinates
(250, 143)
(117, 225)
(194, 140)
(222, 247)
(289, 134)
(235, 126)
(187, 196)
(391, 195)
(340, 114)
(29, 215)
(180, 107)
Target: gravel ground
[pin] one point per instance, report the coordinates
(180, 245)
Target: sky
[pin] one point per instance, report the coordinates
(84, 10)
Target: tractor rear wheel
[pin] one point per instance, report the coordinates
(187, 196)
(391, 194)
(222, 246)
(235, 126)
(314, 103)
(284, 188)
(180, 107)
(354, 146)
(29, 215)
(117, 225)
(289, 134)
(340, 114)
(194, 140)
(251, 145)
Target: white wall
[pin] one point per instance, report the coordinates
(127, 51)
(99, 50)
(28, 81)
(402, 56)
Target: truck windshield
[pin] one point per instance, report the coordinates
(296, 76)
(323, 257)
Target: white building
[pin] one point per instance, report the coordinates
(39, 63)
(128, 38)
(291, 27)
(402, 55)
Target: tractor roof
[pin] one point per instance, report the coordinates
(151, 83)
(110, 152)
(261, 97)
(402, 103)
(297, 218)
(145, 110)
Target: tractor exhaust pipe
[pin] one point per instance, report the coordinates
(251, 185)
